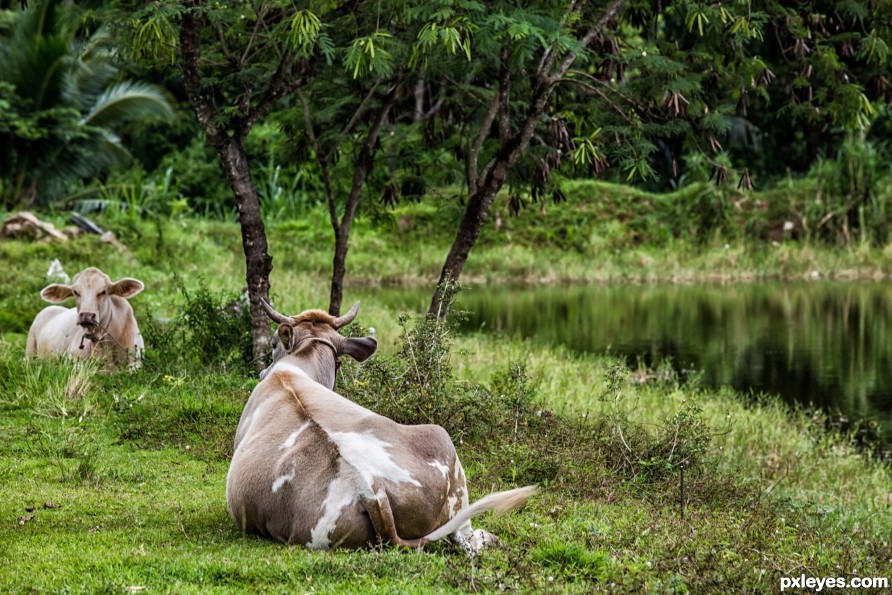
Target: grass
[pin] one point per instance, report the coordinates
(130, 495)
(115, 482)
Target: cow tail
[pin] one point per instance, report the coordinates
(382, 519)
(498, 502)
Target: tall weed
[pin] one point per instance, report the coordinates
(854, 195)
(60, 387)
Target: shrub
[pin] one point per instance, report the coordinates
(208, 330)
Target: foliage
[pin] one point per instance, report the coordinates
(855, 195)
(208, 331)
(62, 105)
(195, 175)
(417, 385)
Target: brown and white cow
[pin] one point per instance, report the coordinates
(101, 324)
(311, 467)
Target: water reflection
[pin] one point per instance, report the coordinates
(825, 343)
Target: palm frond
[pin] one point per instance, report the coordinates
(126, 101)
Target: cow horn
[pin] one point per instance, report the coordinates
(275, 316)
(348, 317)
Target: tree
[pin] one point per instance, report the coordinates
(60, 105)
(509, 37)
(518, 91)
(598, 85)
(343, 66)
(326, 158)
(237, 62)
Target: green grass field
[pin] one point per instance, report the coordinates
(114, 482)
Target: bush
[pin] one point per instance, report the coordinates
(209, 330)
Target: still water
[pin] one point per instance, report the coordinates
(827, 344)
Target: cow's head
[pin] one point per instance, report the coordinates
(315, 333)
(91, 289)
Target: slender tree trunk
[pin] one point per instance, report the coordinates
(338, 272)
(258, 262)
(468, 231)
(480, 200)
(341, 229)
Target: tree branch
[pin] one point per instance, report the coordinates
(280, 85)
(360, 112)
(589, 36)
(477, 144)
(323, 163)
(365, 156)
(504, 96)
(190, 42)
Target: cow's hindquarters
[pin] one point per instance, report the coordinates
(50, 332)
(381, 515)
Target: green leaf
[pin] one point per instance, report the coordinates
(305, 30)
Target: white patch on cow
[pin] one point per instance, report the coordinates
(292, 438)
(369, 456)
(457, 501)
(280, 481)
(341, 494)
(444, 469)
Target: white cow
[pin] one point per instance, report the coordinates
(311, 467)
(101, 324)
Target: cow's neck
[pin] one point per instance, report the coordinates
(114, 314)
(317, 361)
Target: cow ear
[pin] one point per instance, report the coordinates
(359, 349)
(56, 293)
(286, 336)
(126, 287)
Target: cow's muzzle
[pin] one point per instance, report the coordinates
(90, 324)
(87, 319)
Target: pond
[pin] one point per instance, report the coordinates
(827, 344)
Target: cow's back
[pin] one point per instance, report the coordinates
(299, 473)
(55, 330)
(274, 493)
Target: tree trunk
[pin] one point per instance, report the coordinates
(341, 229)
(258, 262)
(468, 231)
(480, 200)
(231, 152)
(338, 272)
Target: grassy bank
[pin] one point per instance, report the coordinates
(603, 233)
(115, 482)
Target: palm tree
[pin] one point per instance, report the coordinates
(61, 101)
